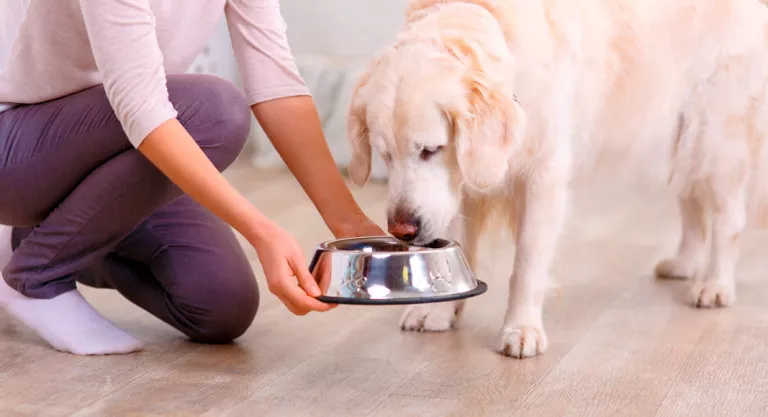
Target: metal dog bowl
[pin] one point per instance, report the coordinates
(385, 271)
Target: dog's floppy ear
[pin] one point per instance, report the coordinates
(489, 128)
(358, 135)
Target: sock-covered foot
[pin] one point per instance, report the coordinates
(67, 322)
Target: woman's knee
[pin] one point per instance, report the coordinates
(215, 112)
(223, 311)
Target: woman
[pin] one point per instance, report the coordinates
(110, 160)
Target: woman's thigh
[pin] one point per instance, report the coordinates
(46, 149)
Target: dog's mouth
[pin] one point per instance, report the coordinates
(435, 244)
(428, 244)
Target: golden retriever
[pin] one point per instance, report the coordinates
(498, 105)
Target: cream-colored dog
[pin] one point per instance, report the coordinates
(484, 106)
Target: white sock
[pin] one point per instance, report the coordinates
(67, 322)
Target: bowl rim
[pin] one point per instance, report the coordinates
(479, 289)
(324, 246)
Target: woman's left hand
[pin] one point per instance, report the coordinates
(359, 226)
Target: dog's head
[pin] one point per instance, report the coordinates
(442, 114)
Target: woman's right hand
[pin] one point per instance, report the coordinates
(283, 263)
(177, 155)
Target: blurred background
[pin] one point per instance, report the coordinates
(332, 49)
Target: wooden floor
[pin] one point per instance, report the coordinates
(621, 343)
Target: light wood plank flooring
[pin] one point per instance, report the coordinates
(622, 343)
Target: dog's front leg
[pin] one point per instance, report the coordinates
(438, 317)
(540, 220)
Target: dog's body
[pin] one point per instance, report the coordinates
(486, 105)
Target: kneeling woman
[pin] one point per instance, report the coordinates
(110, 161)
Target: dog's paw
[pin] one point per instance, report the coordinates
(523, 342)
(674, 269)
(431, 318)
(709, 294)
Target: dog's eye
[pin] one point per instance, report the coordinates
(428, 153)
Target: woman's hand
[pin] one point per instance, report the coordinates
(283, 262)
(177, 155)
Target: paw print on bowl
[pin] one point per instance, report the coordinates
(355, 284)
(440, 283)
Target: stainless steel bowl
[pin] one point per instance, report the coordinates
(384, 270)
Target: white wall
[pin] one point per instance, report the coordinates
(333, 41)
(341, 27)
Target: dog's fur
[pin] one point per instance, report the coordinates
(497, 105)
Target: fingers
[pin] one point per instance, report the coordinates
(280, 292)
(308, 283)
(282, 262)
(290, 306)
(302, 301)
(306, 280)
(278, 288)
(295, 296)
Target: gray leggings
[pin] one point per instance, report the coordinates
(88, 207)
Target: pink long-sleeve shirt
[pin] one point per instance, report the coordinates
(52, 48)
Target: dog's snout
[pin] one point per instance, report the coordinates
(404, 225)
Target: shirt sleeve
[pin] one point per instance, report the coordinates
(127, 54)
(267, 67)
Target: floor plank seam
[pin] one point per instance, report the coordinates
(682, 367)
(135, 379)
(554, 367)
(321, 350)
(389, 392)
